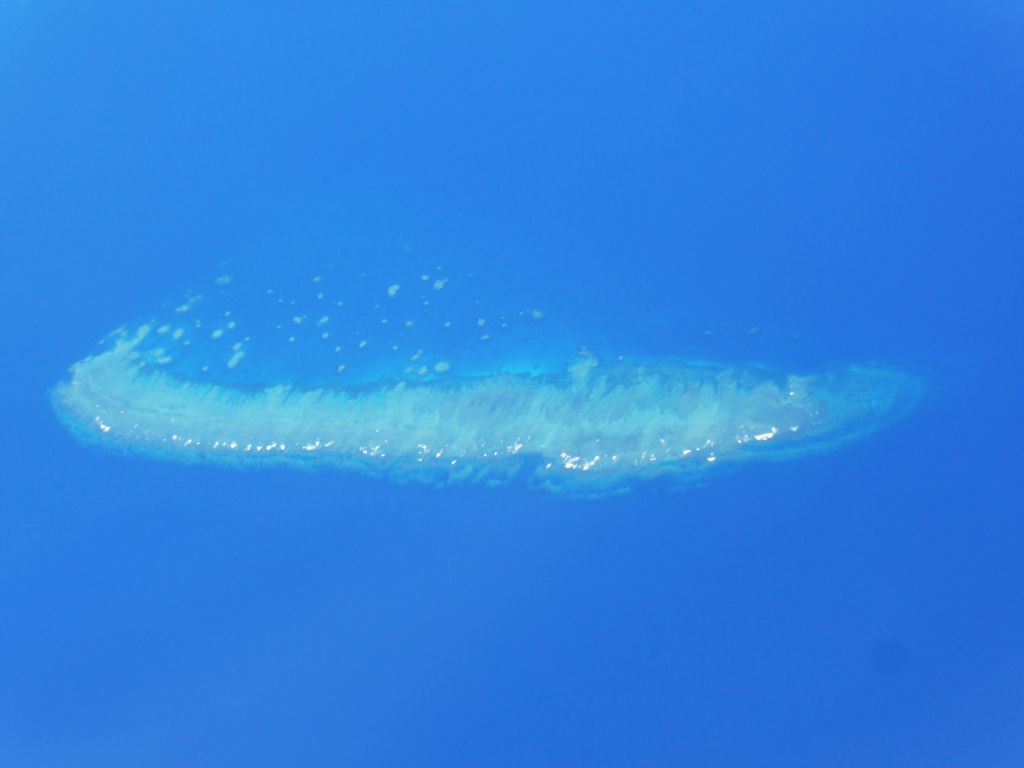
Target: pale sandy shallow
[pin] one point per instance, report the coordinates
(593, 428)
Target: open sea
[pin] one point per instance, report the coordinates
(445, 222)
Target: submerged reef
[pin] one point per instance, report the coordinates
(415, 382)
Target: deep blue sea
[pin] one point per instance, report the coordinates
(789, 183)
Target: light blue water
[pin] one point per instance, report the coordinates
(791, 187)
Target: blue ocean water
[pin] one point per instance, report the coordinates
(793, 184)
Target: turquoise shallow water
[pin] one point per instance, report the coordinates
(768, 192)
(271, 367)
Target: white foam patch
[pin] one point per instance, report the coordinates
(592, 428)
